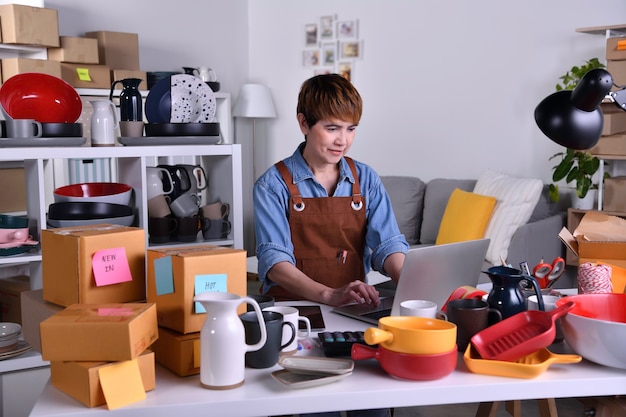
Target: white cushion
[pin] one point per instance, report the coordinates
(516, 200)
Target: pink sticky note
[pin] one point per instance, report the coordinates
(110, 266)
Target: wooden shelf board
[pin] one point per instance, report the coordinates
(601, 30)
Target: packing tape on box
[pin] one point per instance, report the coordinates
(175, 252)
(594, 278)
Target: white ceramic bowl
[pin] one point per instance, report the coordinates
(596, 327)
(9, 335)
(8, 329)
(103, 192)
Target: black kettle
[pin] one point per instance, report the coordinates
(130, 99)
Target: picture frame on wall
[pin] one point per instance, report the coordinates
(351, 49)
(326, 27)
(348, 29)
(323, 71)
(311, 57)
(346, 70)
(329, 53)
(310, 32)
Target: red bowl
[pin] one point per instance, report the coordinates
(103, 192)
(42, 97)
(409, 366)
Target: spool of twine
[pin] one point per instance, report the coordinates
(594, 278)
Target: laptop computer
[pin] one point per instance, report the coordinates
(429, 273)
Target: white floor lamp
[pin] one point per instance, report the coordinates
(254, 102)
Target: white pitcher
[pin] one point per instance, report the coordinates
(223, 340)
(103, 123)
(207, 74)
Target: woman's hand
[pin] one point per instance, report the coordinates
(355, 291)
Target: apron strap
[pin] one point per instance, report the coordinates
(298, 204)
(357, 198)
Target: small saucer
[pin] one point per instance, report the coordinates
(21, 347)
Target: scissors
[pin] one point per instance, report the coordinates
(547, 274)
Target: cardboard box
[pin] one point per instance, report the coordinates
(180, 353)
(117, 50)
(118, 74)
(612, 51)
(614, 198)
(99, 332)
(76, 50)
(28, 25)
(73, 274)
(80, 380)
(598, 238)
(175, 273)
(35, 310)
(610, 145)
(86, 75)
(614, 119)
(618, 71)
(11, 290)
(14, 66)
(12, 190)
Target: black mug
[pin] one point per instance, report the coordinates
(187, 229)
(161, 229)
(267, 356)
(470, 316)
(180, 180)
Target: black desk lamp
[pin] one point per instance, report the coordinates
(573, 118)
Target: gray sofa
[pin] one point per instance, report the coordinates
(419, 208)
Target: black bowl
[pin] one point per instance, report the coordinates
(87, 210)
(62, 130)
(182, 129)
(213, 85)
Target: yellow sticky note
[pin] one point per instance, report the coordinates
(83, 74)
(121, 384)
(196, 353)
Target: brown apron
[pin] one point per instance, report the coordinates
(328, 235)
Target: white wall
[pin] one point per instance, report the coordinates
(449, 86)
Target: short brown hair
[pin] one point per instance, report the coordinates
(329, 96)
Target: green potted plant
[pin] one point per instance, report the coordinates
(575, 166)
(572, 77)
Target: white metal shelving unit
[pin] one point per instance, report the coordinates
(222, 164)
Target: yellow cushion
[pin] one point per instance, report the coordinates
(466, 217)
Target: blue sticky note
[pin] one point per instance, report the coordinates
(208, 282)
(163, 275)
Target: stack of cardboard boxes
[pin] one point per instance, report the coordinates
(92, 61)
(96, 311)
(94, 286)
(613, 140)
(26, 25)
(120, 53)
(175, 276)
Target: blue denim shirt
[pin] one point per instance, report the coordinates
(271, 213)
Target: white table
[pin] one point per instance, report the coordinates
(368, 387)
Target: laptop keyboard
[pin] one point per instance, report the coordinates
(375, 315)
